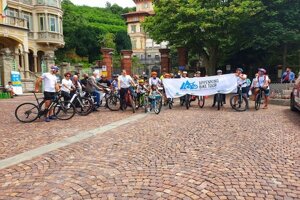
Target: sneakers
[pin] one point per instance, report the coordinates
(53, 117)
(47, 119)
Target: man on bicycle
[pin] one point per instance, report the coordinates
(241, 82)
(51, 87)
(93, 87)
(263, 82)
(124, 83)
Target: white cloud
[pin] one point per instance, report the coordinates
(101, 3)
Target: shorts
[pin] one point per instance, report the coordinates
(49, 95)
(266, 92)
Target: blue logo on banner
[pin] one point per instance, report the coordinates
(189, 86)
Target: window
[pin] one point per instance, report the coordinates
(52, 3)
(42, 24)
(53, 23)
(157, 57)
(133, 42)
(146, 5)
(12, 12)
(149, 55)
(28, 17)
(133, 28)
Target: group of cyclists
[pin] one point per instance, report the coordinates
(135, 85)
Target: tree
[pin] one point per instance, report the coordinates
(207, 28)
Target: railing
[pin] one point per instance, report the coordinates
(15, 21)
(27, 2)
(54, 3)
(50, 37)
(31, 35)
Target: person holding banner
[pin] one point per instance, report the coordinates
(223, 96)
(241, 82)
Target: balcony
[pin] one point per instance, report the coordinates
(15, 21)
(50, 37)
(27, 2)
(52, 3)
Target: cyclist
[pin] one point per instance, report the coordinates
(254, 85)
(182, 98)
(223, 96)
(241, 81)
(263, 82)
(154, 91)
(124, 83)
(51, 87)
(154, 80)
(93, 88)
(67, 86)
(197, 74)
(114, 82)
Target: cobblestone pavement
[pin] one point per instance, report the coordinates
(178, 154)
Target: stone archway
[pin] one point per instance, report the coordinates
(31, 61)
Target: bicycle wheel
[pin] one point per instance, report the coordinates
(239, 103)
(132, 103)
(146, 103)
(201, 101)
(83, 106)
(170, 102)
(257, 101)
(187, 101)
(113, 103)
(158, 106)
(219, 101)
(64, 110)
(27, 112)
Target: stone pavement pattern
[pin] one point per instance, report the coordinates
(178, 154)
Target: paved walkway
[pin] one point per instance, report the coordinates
(178, 154)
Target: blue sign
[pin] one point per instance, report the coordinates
(189, 86)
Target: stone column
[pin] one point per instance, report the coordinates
(7, 57)
(26, 63)
(35, 57)
(107, 60)
(165, 60)
(126, 62)
(182, 56)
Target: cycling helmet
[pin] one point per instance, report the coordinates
(54, 68)
(219, 71)
(184, 72)
(141, 81)
(240, 69)
(262, 70)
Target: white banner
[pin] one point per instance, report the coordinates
(203, 86)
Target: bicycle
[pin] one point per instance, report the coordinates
(219, 100)
(258, 98)
(186, 100)
(154, 104)
(242, 101)
(29, 112)
(201, 101)
(170, 103)
(140, 100)
(128, 101)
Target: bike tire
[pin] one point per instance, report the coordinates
(187, 101)
(158, 106)
(113, 103)
(201, 101)
(219, 101)
(27, 109)
(86, 108)
(243, 105)
(146, 103)
(132, 104)
(170, 102)
(257, 102)
(64, 110)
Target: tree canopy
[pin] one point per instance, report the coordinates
(217, 30)
(83, 27)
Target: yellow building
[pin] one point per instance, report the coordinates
(30, 32)
(143, 47)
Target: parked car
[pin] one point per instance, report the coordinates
(295, 97)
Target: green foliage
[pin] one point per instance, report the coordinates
(218, 30)
(84, 26)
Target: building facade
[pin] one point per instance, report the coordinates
(30, 32)
(143, 47)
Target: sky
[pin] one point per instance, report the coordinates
(101, 3)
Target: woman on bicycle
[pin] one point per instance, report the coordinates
(67, 86)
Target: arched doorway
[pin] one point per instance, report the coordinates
(31, 61)
(40, 60)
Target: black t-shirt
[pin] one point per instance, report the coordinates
(105, 82)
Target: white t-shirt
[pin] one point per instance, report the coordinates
(242, 82)
(50, 81)
(125, 81)
(68, 83)
(263, 81)
(153, 81)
